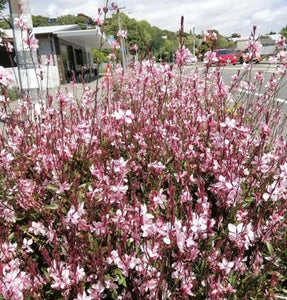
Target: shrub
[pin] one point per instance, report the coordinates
(165, 187)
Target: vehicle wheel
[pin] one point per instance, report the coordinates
(241, 60)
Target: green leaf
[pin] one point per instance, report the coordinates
(270, 249)
(122, 281)
(249, 199)
(51, 187)
(11, 236)
(53, 206)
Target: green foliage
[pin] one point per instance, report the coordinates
(142, 33)
(284, 31)
(3, 4)
(84, 22)
(40, 21)
(6, 23)
(13, 93)
(223, 42)
(100, 56)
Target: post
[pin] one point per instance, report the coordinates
(193, 41)
(122, 45)
(27, 61)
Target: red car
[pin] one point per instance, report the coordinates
(225, 57)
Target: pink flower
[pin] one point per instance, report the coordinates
(83, 296)
(235, 231)
(182, 55)
(226, 265)
(37, 228)
(265, 129)
(60, 275)
(21, 22)
(122, 33)
(159, 199)
(254, 47)
(27, 244)
(186, 288)
(241, 235)
(7, 212)
(49, 61)
(134, 47)
(31, 43)
(115, 45)
(281, 42)
(96, 290)
(99, 21)
(210, 57)
(63, 187)
(6, 77)
(74, 215)
(9, 46)
(210, 36)
(112, 56)
(158, 166)
(125, 115)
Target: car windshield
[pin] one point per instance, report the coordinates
(224, 52)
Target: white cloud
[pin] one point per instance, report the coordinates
(226, 16)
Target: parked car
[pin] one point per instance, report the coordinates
(225, 56)
(243, 56)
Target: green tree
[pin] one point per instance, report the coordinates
(3, 4)
(138, 31)
(284, 31)
(5, 22)
(223, 42)
(81, 20)
(100, 56)
(235, 35)
(40, 21)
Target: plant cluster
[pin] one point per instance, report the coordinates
(161, 185)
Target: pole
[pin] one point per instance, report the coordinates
(123, 50)
(26, 58)
(193, 36)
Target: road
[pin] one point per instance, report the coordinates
(266, 69)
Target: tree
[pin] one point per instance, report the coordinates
(81, 20)
(6, 22)
(3, 4)
(100, 56)
(235, 35)
(40, 21)
(284, 31)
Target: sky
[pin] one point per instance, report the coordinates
(226, 16)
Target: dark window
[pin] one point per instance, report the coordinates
(79, 56)
(7, 60)
(224, 52)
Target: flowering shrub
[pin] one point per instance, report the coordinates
(162, 187)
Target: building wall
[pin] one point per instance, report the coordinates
(48, 77)
(54, 74)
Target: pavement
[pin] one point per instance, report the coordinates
(75, 88)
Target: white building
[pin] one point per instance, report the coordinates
(68, 48)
